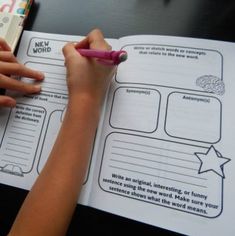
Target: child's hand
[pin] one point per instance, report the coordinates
(10, 66)
(86, 77)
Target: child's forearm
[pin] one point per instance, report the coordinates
(55, 193)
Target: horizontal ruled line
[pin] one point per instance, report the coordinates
(143, 173)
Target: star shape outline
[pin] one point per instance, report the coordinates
(218, 154)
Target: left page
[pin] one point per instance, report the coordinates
(28, 131)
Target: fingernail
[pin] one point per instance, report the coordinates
(41, 75)
(11, 103)
(37, 87)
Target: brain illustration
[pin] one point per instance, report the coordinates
(211, 83)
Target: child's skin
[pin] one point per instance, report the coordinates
(49, 206)
(10, 66)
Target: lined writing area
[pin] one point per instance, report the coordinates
(55, 77)
(163, 163)
(173, 168)
(20, 139)
(159, 172)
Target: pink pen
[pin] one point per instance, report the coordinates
(105, 57)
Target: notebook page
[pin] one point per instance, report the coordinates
(167, 142)
(28, 131)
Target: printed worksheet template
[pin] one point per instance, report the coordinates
(163, 152)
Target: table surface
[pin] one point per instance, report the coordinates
(211, 19)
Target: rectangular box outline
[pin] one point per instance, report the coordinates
(159, 85)
(99, 176)
(133, 129)
(39, 138)
(220, 129)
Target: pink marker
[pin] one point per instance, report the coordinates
(105, 57)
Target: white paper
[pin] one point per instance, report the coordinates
(163, 152)
(28, 131)
(166, 149)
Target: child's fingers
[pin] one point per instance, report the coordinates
(4, 46)
(7, 56)
(8, 68)
(12, 84)
(72, 57)
(6, 101)
(70, 50)
(95, 40)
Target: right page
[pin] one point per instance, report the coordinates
(166, 153)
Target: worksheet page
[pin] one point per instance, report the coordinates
(163, 152)
(28, 131)
(166, 146)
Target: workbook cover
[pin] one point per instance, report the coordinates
(19, 7)
(13, 14)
